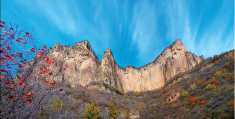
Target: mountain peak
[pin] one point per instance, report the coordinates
(108, 50)
(178, 45)
(85, 44)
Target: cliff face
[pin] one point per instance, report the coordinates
(84, 67)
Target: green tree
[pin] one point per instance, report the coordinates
(92, 112)
(112, 112)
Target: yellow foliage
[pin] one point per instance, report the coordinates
(218, 73)
(224, 74)
(208, 86)
(194, 80)
(231, 73)
(214, 87)
(137, 94)
(174, 86)
(223, 70)
(200, 81)
(185, 93)
(172, 104)
(141, 106)
(150, 110)
(227, 64)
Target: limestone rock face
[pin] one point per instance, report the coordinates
(84, 67)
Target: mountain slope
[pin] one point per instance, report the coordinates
(205, 91)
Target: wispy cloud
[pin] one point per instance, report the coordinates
(136, 31)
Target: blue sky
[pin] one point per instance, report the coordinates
(136, 31)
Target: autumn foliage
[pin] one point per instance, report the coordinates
(24, 84)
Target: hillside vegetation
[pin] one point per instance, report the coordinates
(206, 91)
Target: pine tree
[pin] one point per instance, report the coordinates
(92, 112)
(112, 112)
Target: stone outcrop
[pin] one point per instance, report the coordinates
(84, 67)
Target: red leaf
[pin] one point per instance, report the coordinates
(6, 82)
(22, 80)
(5, 32)
(20, 84)
(26, 50)
(7, 46)
(60, 70)
(2, 51)
(60, 89)
(64, 69)
(12, 36)
(27, 33)
(50, 73)
(2, 70)
(24, 42)
(29, 101)
(1, 58)
(2, 76)
(44, 48)
(19, 65)
(32, 50)
(12, 89)
(18, 40)
(11, 28)
(22, 61)
(1, 26)
(45, 58)
(11, 97)
(18, 76)
(25, 96)
(23, 101)
(2, 22)
(38, 54)
(46, 81)
(67, 65)
(53, 83)
(11, 84)
(2, 38)
(203, 102)
(21, 39)
(30, 76)
(49, 62)
(19, 54)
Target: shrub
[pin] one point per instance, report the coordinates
(231, 104)
(141, 106)
(57, 104)
(185, 93)
(92, 112)
(216, 62)
(112, 113)
(193, 100)
(174, 86)
(227, 79)
(137, 94)
(127, 115)
(200, 81)
(217, 73)
(208, 86)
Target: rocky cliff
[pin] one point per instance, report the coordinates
(85, 68)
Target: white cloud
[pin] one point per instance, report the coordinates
(145, 27)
